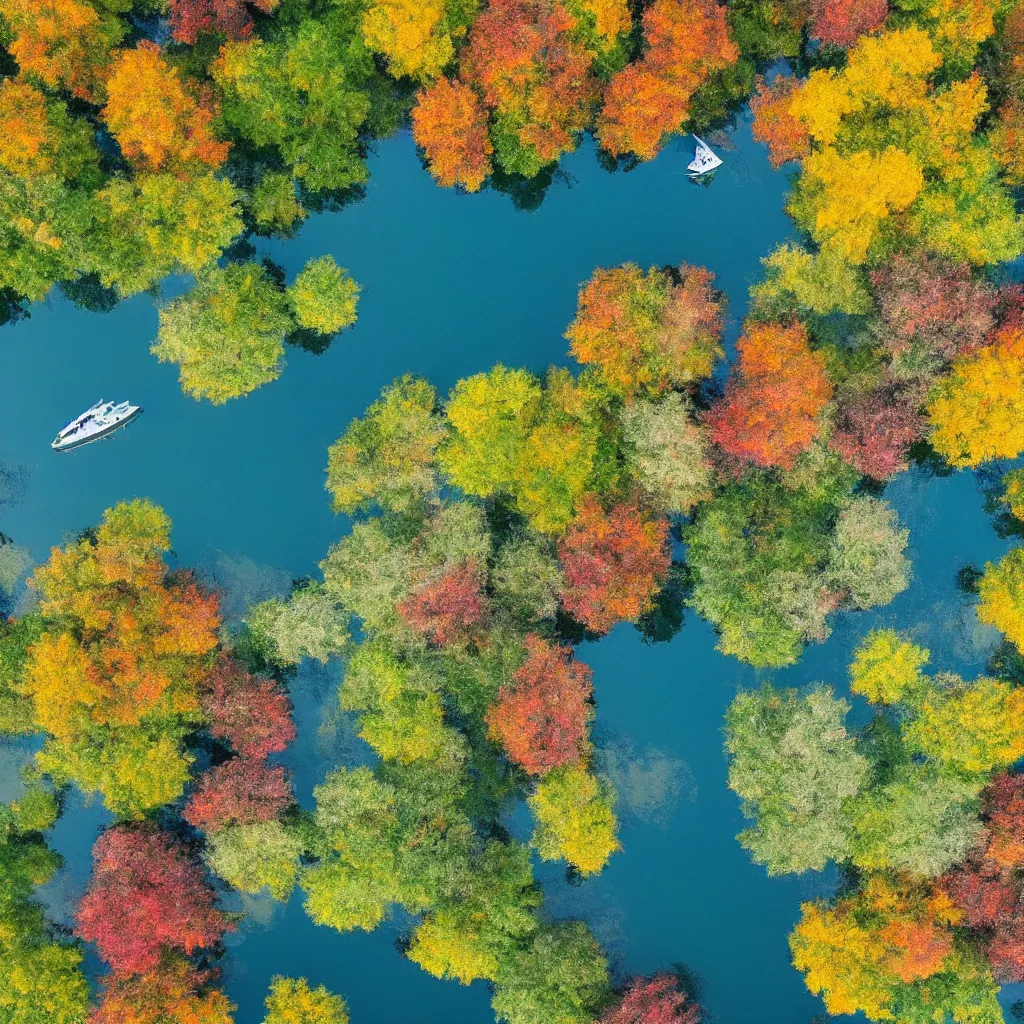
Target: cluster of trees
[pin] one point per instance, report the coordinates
(779, 533)
(142, 138)
(123, 670)
(470, 698)
(123, 161)
(923, 811)
(904, 197)
(465, 682)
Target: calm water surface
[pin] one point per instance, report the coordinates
(453, 284)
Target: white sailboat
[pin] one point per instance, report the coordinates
(705, 160)
(99, 421)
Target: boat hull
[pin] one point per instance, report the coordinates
(100, 435)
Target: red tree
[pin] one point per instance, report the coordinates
(653, 1001)
(241, 791)
(988, 887)
(146, 897)
(447, 609)
(935, 305)
(875, 429)
(613, 563)
(784, 135)
(231, 18)
(250, 712)
(527, 62)
(843, 22)
(1004, 811)
(775, 395)
(541, 717)
(176, 993)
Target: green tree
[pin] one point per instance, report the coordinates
(323, 297)
(16, 713)
(155, 224)
(470, 937)
(387, 455)
(227, 334)
(796, 770)
(921, 820)
(263, 855)
(561, 975)
(867, 560)
(305, 93)
(527, 579)
(668, 453)
(308, 625)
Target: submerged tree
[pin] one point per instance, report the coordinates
(146, 897)
(648, 332)
(796, 770)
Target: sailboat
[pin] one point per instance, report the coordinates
(704, 161)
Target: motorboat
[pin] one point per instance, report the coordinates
(97, 422)
(705, 160)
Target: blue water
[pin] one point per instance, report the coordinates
(453, 284)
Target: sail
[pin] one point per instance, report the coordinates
(704, 158)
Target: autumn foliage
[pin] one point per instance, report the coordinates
(250, 713)
(231, 18)
(775, 124)
(648, 331)
(842, 22)
(613, 562)
(173, 993)
(875, 430)
(146, 898)
(63, 43)
(977, 412)
(541, 717)
(987, 888)
(654, 1000)
(115, 680)
(241, 791)
(687, 41)
(449, 123)
(774, 398)
(936, 307)
(858, 953)
(447, 609)
(157, 124)
(536, 78)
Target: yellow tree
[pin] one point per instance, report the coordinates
(859, 952)
(977, 412)
(1001, 589)
(574, 819)
(65, 44)
(157, 123)
(417, 37)
(114, 679)
(892, 156)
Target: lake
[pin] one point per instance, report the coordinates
(451, 285)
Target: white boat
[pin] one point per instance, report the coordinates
(99, 421)
(704, 161)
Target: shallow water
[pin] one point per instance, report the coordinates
(453, 284)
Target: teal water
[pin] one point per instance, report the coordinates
(453, 284)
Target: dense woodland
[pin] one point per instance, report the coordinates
(496, 527)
